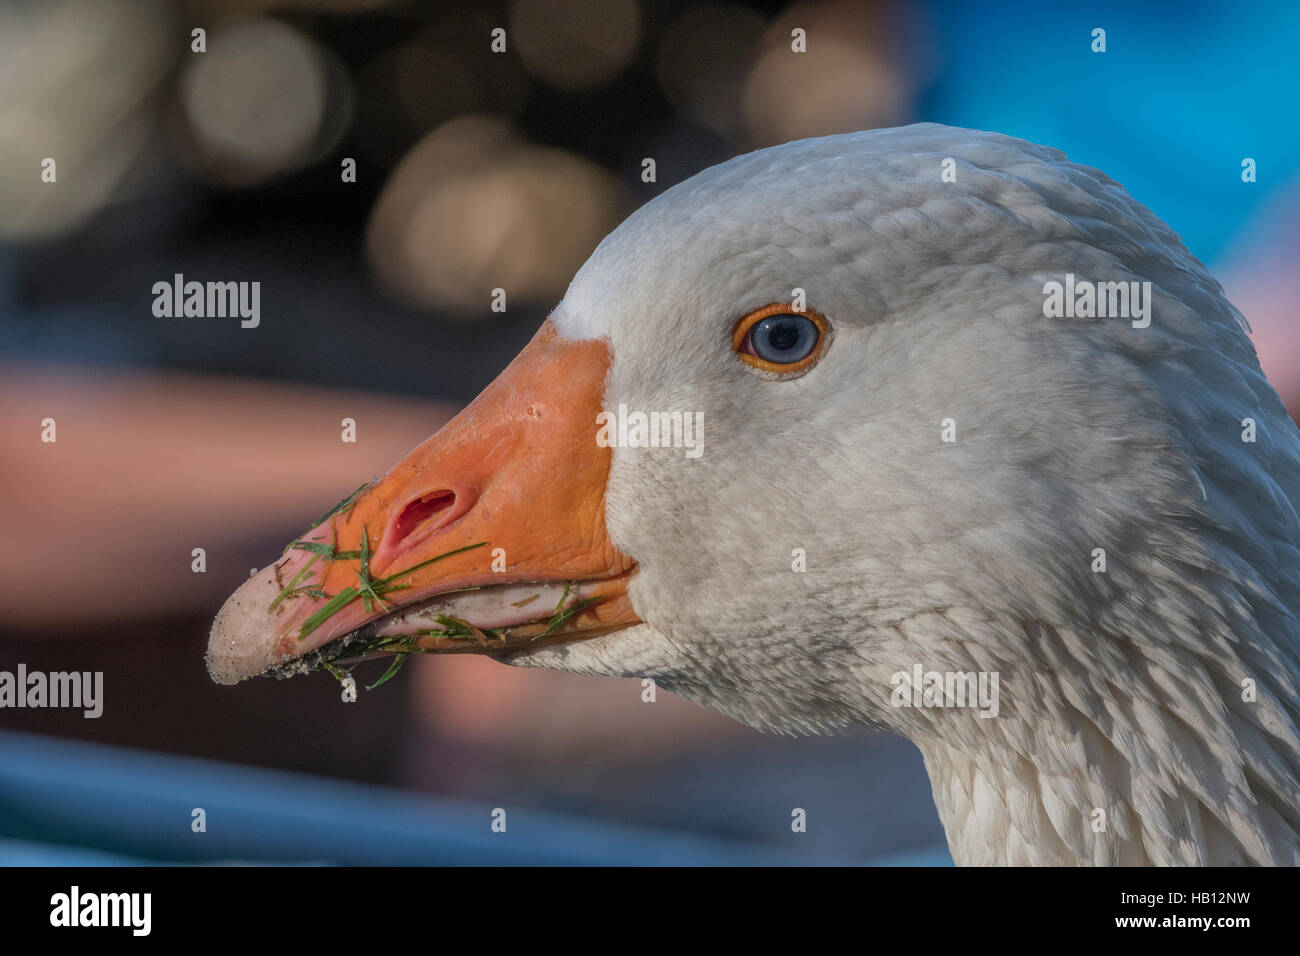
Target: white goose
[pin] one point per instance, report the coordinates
(1147, 712)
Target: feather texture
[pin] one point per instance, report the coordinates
(1127, 732)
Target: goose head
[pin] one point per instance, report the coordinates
(888, 461)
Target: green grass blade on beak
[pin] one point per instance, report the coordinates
(459, 629)
(373, 590)
(367, 586)
(344, 506)
(332, 607)
(399, 660)
(562, 616)
(386, 584)
(317, 550)
(295, 585)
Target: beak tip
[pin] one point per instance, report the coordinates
(242, 641)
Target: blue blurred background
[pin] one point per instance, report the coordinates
(475, 170)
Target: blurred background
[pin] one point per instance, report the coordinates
(474, 169)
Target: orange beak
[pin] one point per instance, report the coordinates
(488, 538)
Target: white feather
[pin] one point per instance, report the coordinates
(1121, 692)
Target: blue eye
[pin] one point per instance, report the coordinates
(776, 338)
(783, 339)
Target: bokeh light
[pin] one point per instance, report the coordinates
(852, 75)
(75, 82)
(702, 61)
(473, 207)
(431, 78)
(258, 101)
(575, 44)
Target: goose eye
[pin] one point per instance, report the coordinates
(777, 339)
(783, 338)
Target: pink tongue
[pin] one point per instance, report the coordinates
(506, 606)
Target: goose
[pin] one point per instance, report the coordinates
(878, 455)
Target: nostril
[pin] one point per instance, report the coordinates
(418, 512)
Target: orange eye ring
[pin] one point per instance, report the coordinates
(740, 337)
